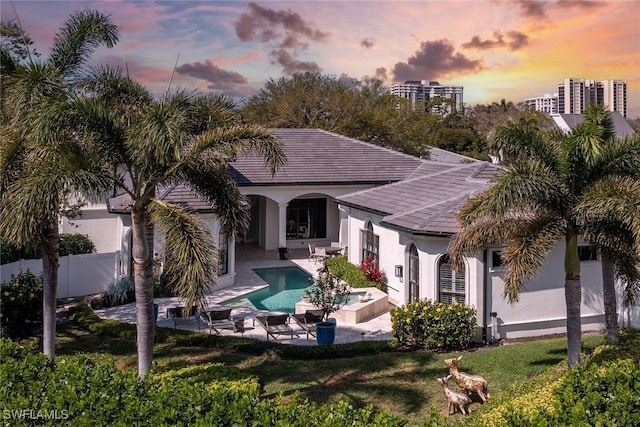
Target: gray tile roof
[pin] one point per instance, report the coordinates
(316, 156)
(413, 194)
(425, 204)
(621, 126)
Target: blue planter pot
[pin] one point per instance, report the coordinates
(325, 333)
(155, 312)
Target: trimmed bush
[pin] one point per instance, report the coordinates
(427, 324)
(76, 244)
(21, 303)
(70, 244)
(352, 274)
(88, 390)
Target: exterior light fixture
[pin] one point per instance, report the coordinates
(398, 270)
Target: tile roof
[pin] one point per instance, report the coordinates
(567, 122)
(417, 195)
(316, 156)
(425, 204)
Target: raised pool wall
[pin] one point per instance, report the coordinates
(358, 311)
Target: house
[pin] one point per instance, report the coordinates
(395, 208)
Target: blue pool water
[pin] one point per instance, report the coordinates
(286, 288)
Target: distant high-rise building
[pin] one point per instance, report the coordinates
(421, 92)
(546, 104)
(575, 94)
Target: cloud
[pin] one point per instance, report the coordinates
(267, 25)
(367, 43)
(533, 8)
(290, 65)
(216, 77)
(434, 59)
(517, 41)
(381, 73)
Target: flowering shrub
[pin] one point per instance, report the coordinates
(21, 303)
(371, 270)
(429, 324)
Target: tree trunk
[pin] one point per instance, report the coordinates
(50, 250)
(143, 279)
(610, 302)
(573, 298)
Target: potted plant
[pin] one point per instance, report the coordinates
(284, 253)
(328, 293)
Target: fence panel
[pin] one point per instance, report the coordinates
(78, 275)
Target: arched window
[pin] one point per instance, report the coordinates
(370, 243)
(414, 274)
(451, 284)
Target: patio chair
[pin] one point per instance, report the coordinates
(320, 254)
(180, 316)
(218, 318)
(308, 321)
(275, 324)
(312, 251)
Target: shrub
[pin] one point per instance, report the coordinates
(88, 390)
(371, 271)
(21, 303)
(429, 324)
(351, 273)
(76, 244)
(11, 253)
(119, 291)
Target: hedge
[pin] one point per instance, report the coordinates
(86, 389)
(21, 303)
(70, 244)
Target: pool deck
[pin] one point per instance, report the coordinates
(378, 328)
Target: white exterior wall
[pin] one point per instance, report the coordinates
(96, 222)
(541, 308)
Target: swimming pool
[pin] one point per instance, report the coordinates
(286, 288)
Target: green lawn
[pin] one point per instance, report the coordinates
(401, 381)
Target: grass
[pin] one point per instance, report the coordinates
(401, 381)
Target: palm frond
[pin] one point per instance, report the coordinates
(227, 143)
(619, 157)
(526, 251)
(216, 186)
(523, 187)
(524, 139)
(80, 35)
(613, 199)
(193, 259)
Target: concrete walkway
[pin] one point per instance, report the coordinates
(378, 328)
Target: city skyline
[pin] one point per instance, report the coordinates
(495, 49)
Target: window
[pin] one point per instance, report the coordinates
(587, 253)
(307, 219)
(370, 243)
(223, 254)
(451, 283)
(496, 259)
(414, 274)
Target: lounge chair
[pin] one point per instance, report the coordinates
(308, 321)
(218, 318)
(275, 324)
(178, 315)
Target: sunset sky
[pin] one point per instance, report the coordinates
(494, 48)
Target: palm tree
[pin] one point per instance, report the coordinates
(41, 172)
(551, 189)
(600, 116)
(183, 138)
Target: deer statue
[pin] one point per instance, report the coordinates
(454, 399)
(467, 382)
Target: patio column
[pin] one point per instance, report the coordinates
(282, 225)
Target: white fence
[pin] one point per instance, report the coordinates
(79, 275)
